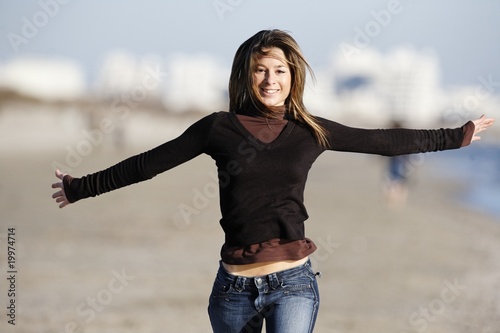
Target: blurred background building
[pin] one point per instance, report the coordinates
(375, 87)
(374, 61)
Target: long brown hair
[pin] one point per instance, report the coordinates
(241, 88)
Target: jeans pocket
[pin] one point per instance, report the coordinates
(303, 285)
(221, 287)
(302, 291)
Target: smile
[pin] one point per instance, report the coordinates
(270, 91)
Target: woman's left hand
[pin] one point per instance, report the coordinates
(60, 195)
(480, 125)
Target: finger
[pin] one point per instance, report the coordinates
(481, 124)
(59, 174)
(57, 194)
(478, 122)
(57, 185)
(484, 121)
(64, 204)
(484, 125)
(488, 122)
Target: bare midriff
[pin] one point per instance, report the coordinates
(263, 268)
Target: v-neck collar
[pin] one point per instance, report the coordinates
(255, 141)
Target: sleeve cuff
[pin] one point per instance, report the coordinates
(67, 180)
(468, 131)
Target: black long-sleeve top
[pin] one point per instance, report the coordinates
(261, 184)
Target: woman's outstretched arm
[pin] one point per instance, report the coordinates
(137, 168)
(402, 141)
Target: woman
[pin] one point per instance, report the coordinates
(263, 148)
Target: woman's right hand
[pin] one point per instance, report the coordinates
(480, 125)
(60, 195)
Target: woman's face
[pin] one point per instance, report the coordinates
(272, 77)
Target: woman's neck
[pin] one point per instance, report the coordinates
(253, 111)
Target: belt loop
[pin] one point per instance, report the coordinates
(239, 284)
(273, 281)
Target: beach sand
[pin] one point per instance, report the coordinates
(129, 261)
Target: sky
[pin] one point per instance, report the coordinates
(464, 34)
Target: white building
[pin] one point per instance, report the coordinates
(133, 80)
(195, 83)
(48, 79)
(403, 84)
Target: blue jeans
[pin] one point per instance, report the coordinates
(288, 301)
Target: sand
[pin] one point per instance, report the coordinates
(128, 261)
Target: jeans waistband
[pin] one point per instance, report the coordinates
(274, 280)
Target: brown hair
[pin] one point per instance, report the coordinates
(241, 88)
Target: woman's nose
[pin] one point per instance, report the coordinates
(269, 78)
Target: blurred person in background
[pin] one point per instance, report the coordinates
(263, 149)
(397, 176)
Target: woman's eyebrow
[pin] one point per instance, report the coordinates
(277, 66)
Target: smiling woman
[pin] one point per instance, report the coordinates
(264, 148)
(274, 48)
